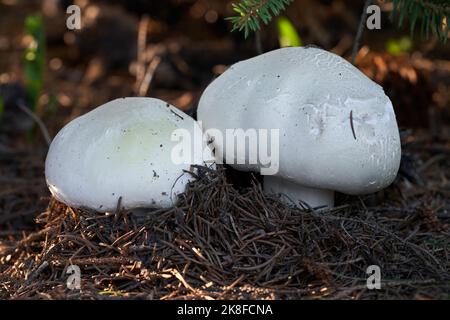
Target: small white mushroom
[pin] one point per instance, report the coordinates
(122, 149)
(337, 128)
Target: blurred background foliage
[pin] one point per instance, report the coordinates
(433, 15)
(173, 49)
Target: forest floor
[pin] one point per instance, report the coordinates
(225, 238)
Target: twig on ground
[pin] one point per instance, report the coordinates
(38, 121)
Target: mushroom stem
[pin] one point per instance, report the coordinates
(295, 192)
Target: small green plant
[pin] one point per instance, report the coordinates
(287, 35)
(34, 57)
(399, 46)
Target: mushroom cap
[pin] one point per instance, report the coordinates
(121, 149)
(312, 96)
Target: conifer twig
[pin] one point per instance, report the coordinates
(250, 13)
(38, 121)
(360, 30)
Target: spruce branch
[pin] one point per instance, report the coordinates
(252, 12)
(434, 16)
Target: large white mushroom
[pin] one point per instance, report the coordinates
(124, 148)
(337, 128)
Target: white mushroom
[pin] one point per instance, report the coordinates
(122, 149)
(337, 128)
